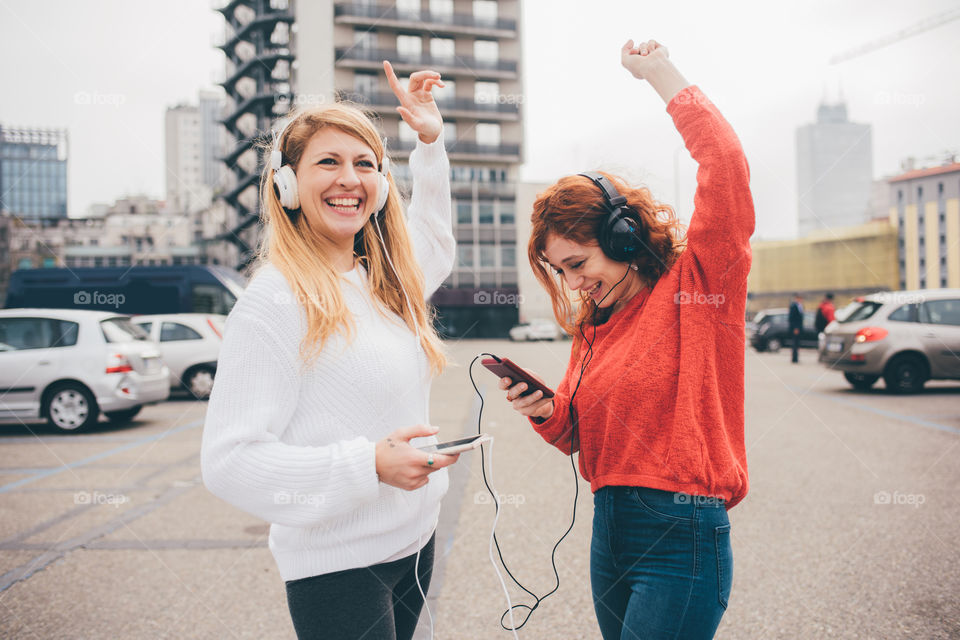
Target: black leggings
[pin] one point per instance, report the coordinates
(380, 602)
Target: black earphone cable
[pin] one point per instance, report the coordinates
(588, 357)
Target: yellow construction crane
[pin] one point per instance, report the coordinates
(924, 25)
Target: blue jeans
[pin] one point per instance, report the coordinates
(661, 564)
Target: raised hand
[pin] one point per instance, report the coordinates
(417, 106)
(650, 61)
(640, 59)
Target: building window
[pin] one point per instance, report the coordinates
(407, 133)
(508, 256)
(939, 189)
(507, 215)
(488, 133)
(409, 47)
(485, 11)
(465, 212)
(408, 8)
(919, 193)
(464, 255)
(449, 131)
(486, 92)
(446, 93)
(488, 255)
(486, 50)
(364, 40)
(443, 49)
(365, 83)
(441, 8)
(485, 212)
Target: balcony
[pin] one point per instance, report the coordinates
(360, 58)
(483, 189)
(465, 151)
(452, 107)
(387, 16)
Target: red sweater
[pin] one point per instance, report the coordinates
(661, 402)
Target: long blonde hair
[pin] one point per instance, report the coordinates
(302, 253)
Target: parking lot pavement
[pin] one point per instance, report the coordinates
(848, 530)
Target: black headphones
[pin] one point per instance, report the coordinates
(621, 234)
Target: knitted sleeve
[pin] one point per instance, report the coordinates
(429, 213)
(723, 218)
(558, 428)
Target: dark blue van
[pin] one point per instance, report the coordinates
(133, 290)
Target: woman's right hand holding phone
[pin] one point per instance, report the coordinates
(533, 405)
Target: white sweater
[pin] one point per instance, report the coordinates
(297, 448)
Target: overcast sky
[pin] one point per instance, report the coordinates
(107, 69)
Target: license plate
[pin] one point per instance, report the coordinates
(835, 346)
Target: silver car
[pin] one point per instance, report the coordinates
(905, 337)
(68, 366)
(189, 345)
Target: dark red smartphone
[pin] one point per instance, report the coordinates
(504, 368)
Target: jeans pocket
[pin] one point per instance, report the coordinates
(724, 563)
(668, 506)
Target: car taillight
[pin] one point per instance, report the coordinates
(118, 363)
(870, 334)
(214, 327)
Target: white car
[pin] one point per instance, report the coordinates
(536, 330)
(67, 366)
(189, 346)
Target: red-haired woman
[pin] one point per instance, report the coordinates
(653, 394)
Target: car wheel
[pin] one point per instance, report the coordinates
(199, 382)
(122, 417)
(861, 381)
(773, 345)
(905, 374)
(71, 407)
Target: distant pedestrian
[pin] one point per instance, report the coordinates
(825, 313)
(795, 321)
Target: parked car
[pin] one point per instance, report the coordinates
(905, 337)
(139, 289)
(770, 330)
(536, 330)
(68, 366)
(189, 346)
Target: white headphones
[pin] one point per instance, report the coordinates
(285, 180)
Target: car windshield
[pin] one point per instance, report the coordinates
(857, 310)
(121, 330)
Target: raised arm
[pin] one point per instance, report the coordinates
(723, 219)
(429, 212)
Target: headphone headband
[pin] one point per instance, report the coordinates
(620, 233)
(610, 193)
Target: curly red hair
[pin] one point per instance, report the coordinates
(574, 209)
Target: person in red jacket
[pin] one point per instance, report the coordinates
(653, 394)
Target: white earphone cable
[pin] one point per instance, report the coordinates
(493, 530)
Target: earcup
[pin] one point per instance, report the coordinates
(383, 190)
(285, 181)
(619, 236)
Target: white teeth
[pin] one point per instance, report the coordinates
(594, 289)
(344, 202)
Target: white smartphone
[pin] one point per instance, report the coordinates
(457, 446)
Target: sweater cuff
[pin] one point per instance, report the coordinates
(690, 95)
(425, 154)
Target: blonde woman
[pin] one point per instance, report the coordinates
(323, 382)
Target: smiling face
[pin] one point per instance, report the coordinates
(586, 268)
(337, 182)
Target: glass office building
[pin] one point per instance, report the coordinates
(33, 173)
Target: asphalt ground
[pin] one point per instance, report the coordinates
(848, 530)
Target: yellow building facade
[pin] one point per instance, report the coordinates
(849, 262)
